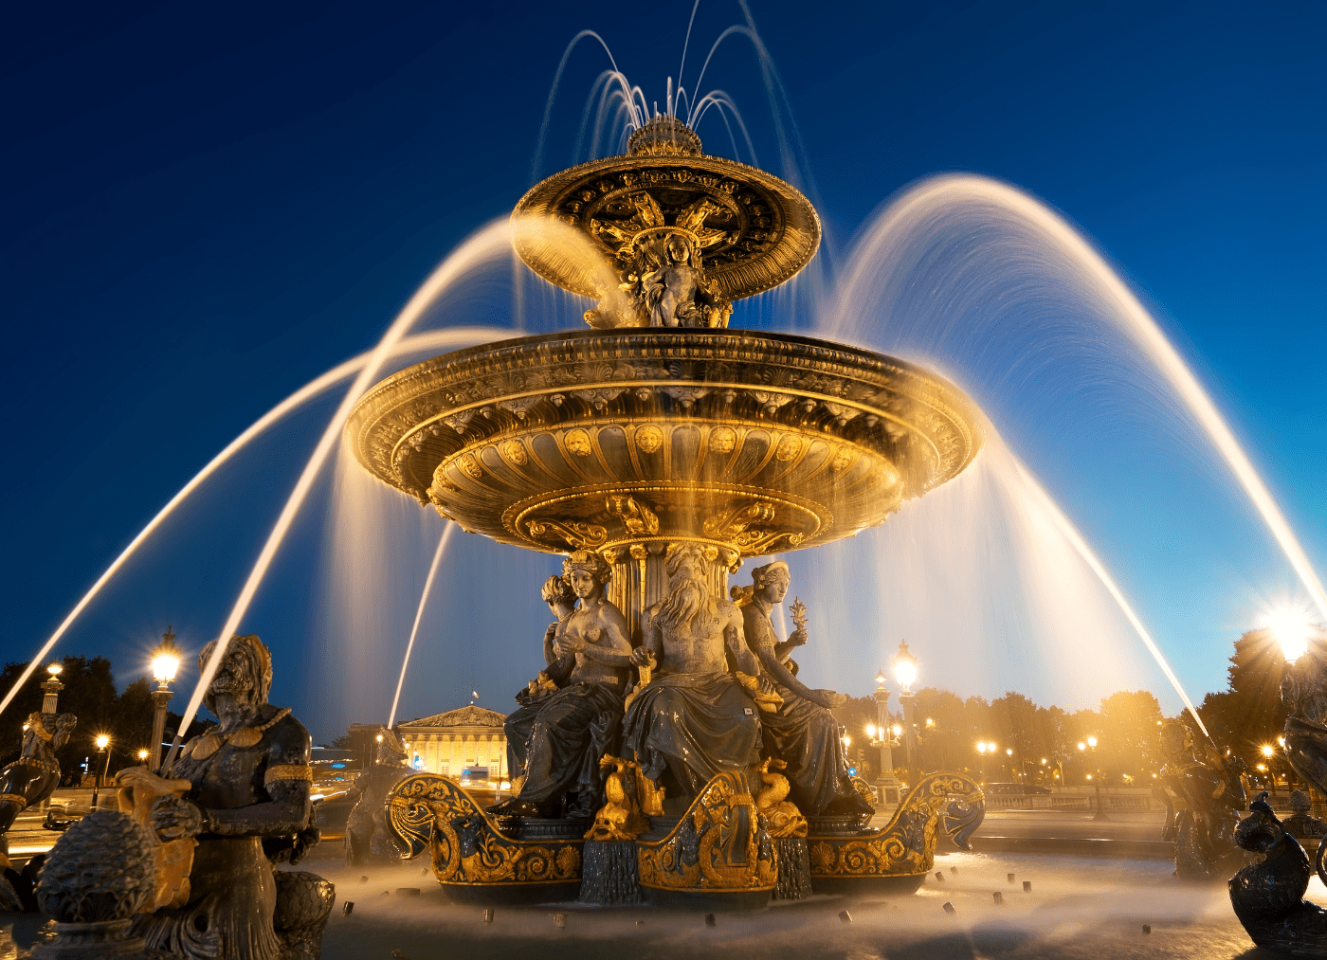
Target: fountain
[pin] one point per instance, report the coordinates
(661, 449)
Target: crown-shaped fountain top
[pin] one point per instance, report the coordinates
(664, 135)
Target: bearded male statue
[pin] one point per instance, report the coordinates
(569, 716)
(801, 732)
(694, 719)
(248, 806)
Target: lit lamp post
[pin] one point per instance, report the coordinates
(103, 742)
(1092, 744)
(1269, 752)
(905, 672)
(879, 731)
(51, 686)
(984, 748)
(165, 661)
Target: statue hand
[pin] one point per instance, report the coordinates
(829, 699)
(174, 818)
(641, 656)
(797, 638)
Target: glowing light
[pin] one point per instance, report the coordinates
(102, 741)
(1292, 630)
(55, 669)
(1268, 750)
(905, 667)
(880, 679)
(1082, 746)
(142, 754)
(1092, 741)
(897, 730)
(870, 730)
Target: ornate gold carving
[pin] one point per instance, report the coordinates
(767, 700)
(789, 447)
(638, 519)
(578, 442)
(139, 789)
(288, 771)
(738, 527)
(581, 536)
(649, 439)
(906, 846)
(428, 811)
(671, 403)
(620, 818)
(515, 453)
(755, 230)
(718, 846)
(782, 815)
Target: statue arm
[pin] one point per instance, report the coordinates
(550, 636)
(733, 635)
(651, 641)
(779, 671)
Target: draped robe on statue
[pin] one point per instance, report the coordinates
(557, 742)
(694, 726)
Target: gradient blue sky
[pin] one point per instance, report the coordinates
(210, 204)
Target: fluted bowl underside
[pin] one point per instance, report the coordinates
(764, 442)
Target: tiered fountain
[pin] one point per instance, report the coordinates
(662, 427)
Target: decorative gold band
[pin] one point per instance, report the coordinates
(18, 798)
(288, 771)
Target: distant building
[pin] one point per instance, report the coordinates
(468, 742)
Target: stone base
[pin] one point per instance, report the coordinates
(794, 869)
(610, 873)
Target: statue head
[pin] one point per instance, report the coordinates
(1299, 803)
(771, 581)
(586, 572)
(678, 249)
(558, 594)
(688, 587)
(244, 673)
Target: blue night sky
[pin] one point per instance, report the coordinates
(209, 205)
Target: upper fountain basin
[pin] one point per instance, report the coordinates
(763, 442)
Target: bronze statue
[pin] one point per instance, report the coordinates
(801, 733)
(569, 716)
(694, 719)
(1204, 795)
(1301, 824)
(366, 828)
(29, 780)
(248, 807)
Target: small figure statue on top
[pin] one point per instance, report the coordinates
(27, 781)
(569, 716)
(1204, 797)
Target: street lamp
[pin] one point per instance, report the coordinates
(1269, 752)
(52, 686)
(887, 783)
(984, 748)
(102, 743)
(165, 662)
(1092, 745)
(905, 671)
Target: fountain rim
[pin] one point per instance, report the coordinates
(538, 200)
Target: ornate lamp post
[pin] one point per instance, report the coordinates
(103, 743)
(887, 782)
(165, 661)
(1096, 776)
(51, 687)
(984, 748)
(905, 672)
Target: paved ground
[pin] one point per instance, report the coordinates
(1077, 908)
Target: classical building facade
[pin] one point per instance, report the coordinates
(465, 742)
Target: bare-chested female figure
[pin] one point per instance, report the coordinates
(569, 716)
